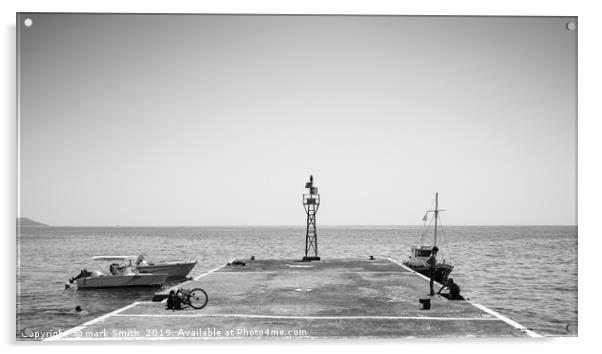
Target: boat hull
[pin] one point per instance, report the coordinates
(442, 271)
(174, 270)
(114, 281)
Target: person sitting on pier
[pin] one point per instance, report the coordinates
(174, 301)
(454, 290)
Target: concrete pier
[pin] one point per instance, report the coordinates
(331, 298)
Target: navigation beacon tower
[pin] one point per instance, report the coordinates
(311, 203)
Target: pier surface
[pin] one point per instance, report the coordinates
(331, 298)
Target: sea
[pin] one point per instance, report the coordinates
(526, 273)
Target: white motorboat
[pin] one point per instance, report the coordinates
(121, 273)
(174, 270)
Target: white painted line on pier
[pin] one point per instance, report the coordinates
(513, 323)
(209, 272)
(413, 271)
(501, 317)
(91, 322)
(314, 317)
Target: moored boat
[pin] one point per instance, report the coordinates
(122, 274)
(419, 254)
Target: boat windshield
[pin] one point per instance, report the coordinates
(112, 258)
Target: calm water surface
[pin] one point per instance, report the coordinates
(526, 273)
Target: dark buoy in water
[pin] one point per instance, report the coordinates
(78, 308)
(252, 258)
(371, 258)
(426, 303)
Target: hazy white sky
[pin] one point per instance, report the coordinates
(219, 120)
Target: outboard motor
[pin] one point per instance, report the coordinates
(84, 273)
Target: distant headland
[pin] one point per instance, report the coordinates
(28, 222)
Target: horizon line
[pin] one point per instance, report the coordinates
(297, 225)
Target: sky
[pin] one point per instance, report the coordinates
(167, 120)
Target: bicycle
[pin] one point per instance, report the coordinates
(196, 298)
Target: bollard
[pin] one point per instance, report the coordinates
(426, 303)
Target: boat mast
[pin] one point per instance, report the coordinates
(436, 214)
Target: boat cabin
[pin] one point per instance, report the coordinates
(420, 254)
(422, 251)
